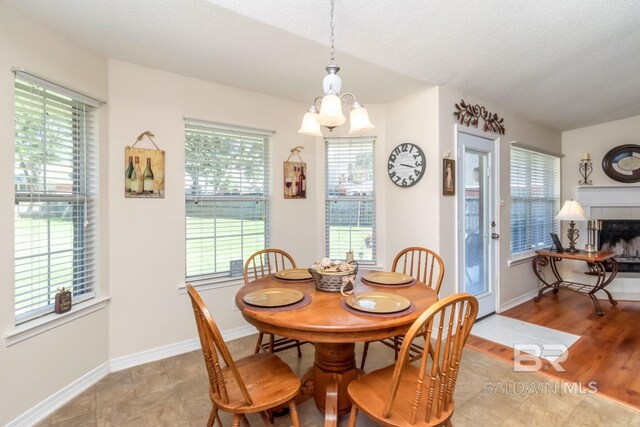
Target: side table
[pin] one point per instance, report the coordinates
(598, 263)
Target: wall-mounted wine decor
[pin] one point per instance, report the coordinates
(144, 170)
(469, 115)
(295, 180)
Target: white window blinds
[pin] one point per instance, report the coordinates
(227, 197)
(350, 220)
(55, 196)
(535, 199)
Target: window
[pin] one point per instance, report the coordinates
(535, 199)
(350, 220)
(55, 196)
(227, 198)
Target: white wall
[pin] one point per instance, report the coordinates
(516, 280)
(33, 370)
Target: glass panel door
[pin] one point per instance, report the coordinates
(476, 229)
(477, 223)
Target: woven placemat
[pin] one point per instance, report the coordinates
(343, 304)
(306, 300)
(382, 285)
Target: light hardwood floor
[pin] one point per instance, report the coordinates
(608, 351)
(173, 392)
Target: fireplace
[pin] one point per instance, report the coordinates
(622, 236)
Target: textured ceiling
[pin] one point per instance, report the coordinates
(564, 64)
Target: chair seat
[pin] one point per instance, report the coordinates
(268, 379)
(371, 392)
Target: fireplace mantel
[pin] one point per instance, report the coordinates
(608, 196)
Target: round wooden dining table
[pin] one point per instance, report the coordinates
(334, 331)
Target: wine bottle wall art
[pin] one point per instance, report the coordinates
(143, 173)
(295, 180)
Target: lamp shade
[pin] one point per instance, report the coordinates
(310, 125)
(359, 121)
(331, 111)
(571, 211)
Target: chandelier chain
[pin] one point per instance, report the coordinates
(333, 37)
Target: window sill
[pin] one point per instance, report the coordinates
(521, 259)
(50, 321)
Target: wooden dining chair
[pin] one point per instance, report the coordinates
(425, 266)
(254, 384)
(262, 264)
(408, 394)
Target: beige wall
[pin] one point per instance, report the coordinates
(516, 280)
(147, 247)
(596, 140)
(34, 369)
(412, 214)
(142, 241)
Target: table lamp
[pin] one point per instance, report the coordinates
(572, 211)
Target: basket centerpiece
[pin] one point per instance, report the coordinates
(329, 275)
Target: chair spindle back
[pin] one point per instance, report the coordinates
(422, 264)
(266, 262)
(445, 327)
(212, 345)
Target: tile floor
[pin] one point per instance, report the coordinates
(173, 392)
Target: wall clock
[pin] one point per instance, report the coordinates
(406, 165)
(622, 163)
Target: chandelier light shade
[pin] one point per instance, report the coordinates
(331, 103)
(359, 119)
(310, 125)
(331, 111)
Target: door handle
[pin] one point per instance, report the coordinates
(495, 236)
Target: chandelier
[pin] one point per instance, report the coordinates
(331, 104)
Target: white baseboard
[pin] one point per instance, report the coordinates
(174, 349)
(151, 355)
(61, 397)
(517, 301)
(239, 332)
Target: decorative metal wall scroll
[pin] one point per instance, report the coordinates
(468, 115)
